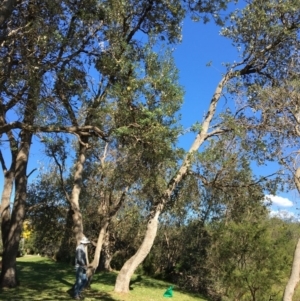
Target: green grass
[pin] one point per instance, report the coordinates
(43, 279)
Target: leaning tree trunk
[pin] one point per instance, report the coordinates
(123, 279)
(8, 277)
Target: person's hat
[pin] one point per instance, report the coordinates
(84, 240)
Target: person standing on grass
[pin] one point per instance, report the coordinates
(81, 268)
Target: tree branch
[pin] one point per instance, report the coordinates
(87, 130)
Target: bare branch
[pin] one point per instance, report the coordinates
(31, 172)
(4, 168)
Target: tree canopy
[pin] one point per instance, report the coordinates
(97, 84)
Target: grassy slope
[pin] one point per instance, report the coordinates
(43, 279)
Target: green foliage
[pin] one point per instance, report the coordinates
(249, 259)
(47, 213)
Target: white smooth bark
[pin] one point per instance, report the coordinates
(123, 279)
(295, 276)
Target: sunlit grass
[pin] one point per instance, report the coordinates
(43, 279)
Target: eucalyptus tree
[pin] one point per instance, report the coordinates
(277, 123)
(31, 48)
(130, 100)
(112, 31)
(273, 118)
(220, 191)
(263, 31)
(48, 48)
(20, 84)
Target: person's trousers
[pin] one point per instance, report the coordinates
(81, 280)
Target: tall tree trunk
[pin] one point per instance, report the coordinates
(74, 200)
(5, 211)
(9, 176)
(8, 277)
(295, 272)
(123, 279)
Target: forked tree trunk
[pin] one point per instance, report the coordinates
(110, 213)
(123, 279)
(8, 277)
(295, 276)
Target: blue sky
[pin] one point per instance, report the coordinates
(200, 45)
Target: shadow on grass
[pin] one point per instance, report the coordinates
(107, 278)
(44, 274)
(43, 279)
(47, 280)
(149, 282)
(137, 280)
(26, 295)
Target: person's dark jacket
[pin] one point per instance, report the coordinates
(80, 257)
